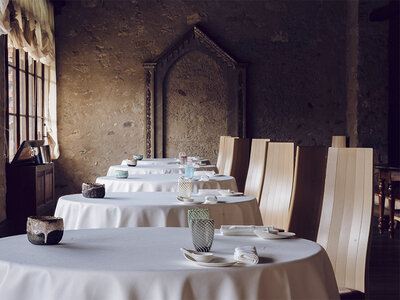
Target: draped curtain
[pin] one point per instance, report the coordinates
(29, 25)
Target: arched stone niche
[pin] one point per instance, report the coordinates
(156, 72)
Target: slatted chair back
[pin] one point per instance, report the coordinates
(339, 141)
(221, 153)
(256, 171)
(346, 213)
(277, 188)
(237, 160)
(308, 190)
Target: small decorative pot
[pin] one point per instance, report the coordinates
(44, 230)
(138, 156)
(121, 174)
(93, 190)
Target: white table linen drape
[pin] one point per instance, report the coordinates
(157, 169)
(150, 210)
(162, 183)
(145, 263)
(166, 161)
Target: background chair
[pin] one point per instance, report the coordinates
(237, 152)
(277, 188)
(256, 171)
(346, 215)
(308, 190)
(221, 153)
(339, 141)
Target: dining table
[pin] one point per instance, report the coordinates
(163, 183)
(158, 169)
(143, 209)
(168, 161)
(146, 263)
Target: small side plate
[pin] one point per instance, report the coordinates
(189, 202)
(272, 236)
(215, 262)
(231, 194)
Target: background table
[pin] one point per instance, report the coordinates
(164, 161)
(157, 169)
(150, 210)
(162, 183)
(145, 263)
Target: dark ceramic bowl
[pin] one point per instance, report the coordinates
(93, 190)
(44, 230)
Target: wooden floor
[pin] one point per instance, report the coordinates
(383, 268)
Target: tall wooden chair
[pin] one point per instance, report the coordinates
(339, 141)
(308, 190)
(255, 174)
(346, 215)
(221, 153)
(237, 159)
(277, 188)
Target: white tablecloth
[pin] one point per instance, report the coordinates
(162, 183)
(165, 161)
(157, 169)
(150, 210)
(145, 263)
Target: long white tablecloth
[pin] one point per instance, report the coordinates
(162, 183)
(164, 161)
(157, 169)
(145, 263)
(150, 210)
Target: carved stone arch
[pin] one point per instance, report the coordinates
(155, 75)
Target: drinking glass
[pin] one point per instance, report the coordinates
(189, 171)
(184, 187)
(198, 213)
(202, 234)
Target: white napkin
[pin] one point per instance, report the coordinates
(213, 192)
(246, 254)
(206, 173)
(242, 229)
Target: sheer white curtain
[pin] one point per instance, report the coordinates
(29, 25)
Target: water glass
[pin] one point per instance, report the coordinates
(197, 213)
(182, 158)
(189, 171)
(202, 234)
(185, 187)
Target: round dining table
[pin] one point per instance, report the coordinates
(151, 210)
(146, 263)
(163, 183)
(157, 169)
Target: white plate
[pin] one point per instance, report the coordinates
(231, 194)
(215, 262)
(218, 175)
(189, 202)
(271, 236)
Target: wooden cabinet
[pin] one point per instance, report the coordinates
(30, 191)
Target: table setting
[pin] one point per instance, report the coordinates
(148, 263)
(157, 169)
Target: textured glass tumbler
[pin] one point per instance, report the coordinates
(197, 213)
(202, 234)
(185, 187)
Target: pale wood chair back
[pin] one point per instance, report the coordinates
(237, 160)
(221, 153)
(308, 191)
(339, 141)
(255, 173)
(277, 188)
(229, 147)
(346, 213)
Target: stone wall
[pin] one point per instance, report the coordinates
(296, 75)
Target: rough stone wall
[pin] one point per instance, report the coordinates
(195, 107)
(296, 76)
(373, 81)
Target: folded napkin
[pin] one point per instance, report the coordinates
(213, 192)
(242, 229)
(246, 254)
(206, 173)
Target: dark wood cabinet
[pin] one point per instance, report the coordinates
(30, 191)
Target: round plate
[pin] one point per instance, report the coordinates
(189, 202)
(231, 194)
(271, 236)
(215, 262)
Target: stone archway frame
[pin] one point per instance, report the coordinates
(156, 72)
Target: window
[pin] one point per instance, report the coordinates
(28, 97)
